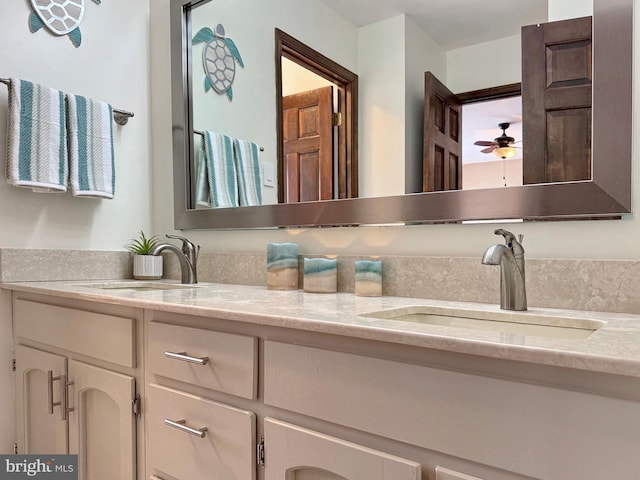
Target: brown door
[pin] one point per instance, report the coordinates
(442, 159)
(556, 101)
(308, 146)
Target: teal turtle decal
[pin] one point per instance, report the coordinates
(61, 17)
(219, 57)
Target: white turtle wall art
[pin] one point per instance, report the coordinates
(219, 57)
(61, 17)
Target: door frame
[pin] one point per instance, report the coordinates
(347, 86)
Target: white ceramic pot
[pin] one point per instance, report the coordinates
(147, 267)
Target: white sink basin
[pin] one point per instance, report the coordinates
(524, 323)
(138, 286)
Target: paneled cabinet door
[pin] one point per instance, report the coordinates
(102, 427)
(295, 452)
(41, 426)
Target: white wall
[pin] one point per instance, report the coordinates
(564, 9)
(111, 65)
(484, 65)
(494, 174)
(422, 54)
(381, 101)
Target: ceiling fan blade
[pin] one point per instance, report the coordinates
(483, 143)
(487, 150)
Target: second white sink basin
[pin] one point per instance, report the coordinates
(523, 323)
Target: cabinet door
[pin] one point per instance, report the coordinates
(102, 427)
(39, 430)
(295, 453)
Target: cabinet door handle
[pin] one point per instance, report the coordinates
(50, 380)
(186, 358)
(64, 397)
(181, 425)
(154, 477)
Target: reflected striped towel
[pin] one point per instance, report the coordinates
(91, 156)
(220, 170)
(203, 193)
(247, 161)
(36, 138)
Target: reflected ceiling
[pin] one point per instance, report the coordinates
(451, 23)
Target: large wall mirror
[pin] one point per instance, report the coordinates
(390, 58)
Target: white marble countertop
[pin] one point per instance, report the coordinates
(613, 348)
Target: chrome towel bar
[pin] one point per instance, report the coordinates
(121, 117)
(201, 133)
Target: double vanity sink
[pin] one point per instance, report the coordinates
(517, 323)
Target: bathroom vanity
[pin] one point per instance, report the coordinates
(238, 382)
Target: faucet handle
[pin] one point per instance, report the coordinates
(187, 245)
(510, 240)
(508, 236)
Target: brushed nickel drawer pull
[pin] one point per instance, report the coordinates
(186, 358)
(181, 425)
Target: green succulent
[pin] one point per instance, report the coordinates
(142, 245)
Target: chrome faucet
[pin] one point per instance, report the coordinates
(510, 257)
(188, 257)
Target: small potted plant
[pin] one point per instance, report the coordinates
(145, 266)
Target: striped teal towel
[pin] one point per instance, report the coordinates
(247, 161)
(220, 170)
(36, 138)
(91, 155)
(203, 193)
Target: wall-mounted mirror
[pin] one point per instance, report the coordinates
(606, 193)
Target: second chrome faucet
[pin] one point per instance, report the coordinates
(510, 257)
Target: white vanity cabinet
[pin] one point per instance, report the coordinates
(76, 386)
(245, 397)
(190, 436)
(204, 411)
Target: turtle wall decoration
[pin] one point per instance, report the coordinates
(61, 17)
(219, 58)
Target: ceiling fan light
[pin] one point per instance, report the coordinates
(504, 152)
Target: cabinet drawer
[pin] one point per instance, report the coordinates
(227, 449)
(228, 361)
(106, 337)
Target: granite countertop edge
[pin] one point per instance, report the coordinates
(614, 348)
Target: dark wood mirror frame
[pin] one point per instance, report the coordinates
(608, 194)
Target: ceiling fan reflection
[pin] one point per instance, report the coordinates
(502, 146)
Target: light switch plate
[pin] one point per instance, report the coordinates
(268, 174)
(446, 474)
